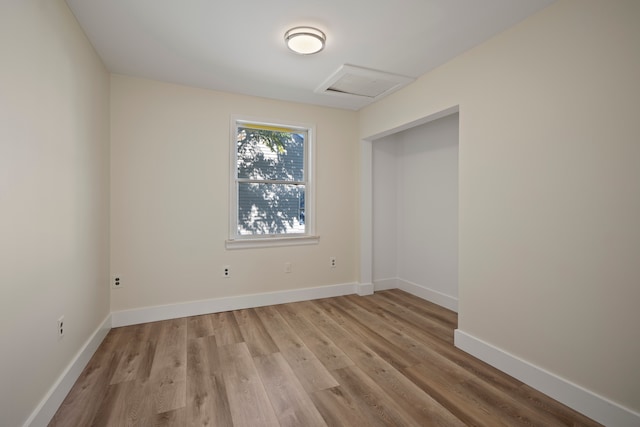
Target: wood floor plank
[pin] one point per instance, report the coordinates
(207, 401)
(340, 409)
(372, 398)
(131, 362)
(292, 313)
(464, 407)
(80, 406)
(126, 404)
(174, 418)
(426, 309)
(112, 409)
(169, 369)
(311, 373)
(254, 333)
(248, 400)
(327, 352)
(416, 403)
(96, 376)
(279, 330)
(396, 357)
(402, 314)
(199, 326)
(169, 395)
(291, 403)
(225, 328)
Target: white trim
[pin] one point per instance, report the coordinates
(46, 409)
(385, 284)
(217, 305)
(366, 212)
(444, 300)
(363, 289)
(577, 397)
(271, 242)
(408, 125)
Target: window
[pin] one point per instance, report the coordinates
(271, 189)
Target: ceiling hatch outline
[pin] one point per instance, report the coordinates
(363, 83)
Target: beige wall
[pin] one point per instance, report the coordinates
(170, 192)
(54, 198)
(549, 189)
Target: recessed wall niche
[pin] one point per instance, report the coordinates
(415, 210)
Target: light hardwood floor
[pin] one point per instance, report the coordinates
(381, 360)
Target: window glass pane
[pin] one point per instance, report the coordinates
(270, 155)
(270, 209)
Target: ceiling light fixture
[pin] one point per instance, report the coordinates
(305, 40)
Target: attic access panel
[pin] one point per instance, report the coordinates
(354, 81)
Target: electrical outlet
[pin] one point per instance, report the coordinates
(332, 262)
(116, 282)
(60, 327)
(287, 267)
(226, 271)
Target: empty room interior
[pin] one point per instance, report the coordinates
(431, 219)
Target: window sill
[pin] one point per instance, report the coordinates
(271, 242)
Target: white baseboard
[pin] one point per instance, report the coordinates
(446, 301)
(363, 289)
(385, 284)
(574, 396)
(46, 409)
(217, 305)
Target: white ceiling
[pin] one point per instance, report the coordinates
(238, 45)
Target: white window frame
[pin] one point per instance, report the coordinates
(239, 241)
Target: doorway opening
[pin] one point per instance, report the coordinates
(413, 209)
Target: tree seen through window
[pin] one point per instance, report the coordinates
(271, 180)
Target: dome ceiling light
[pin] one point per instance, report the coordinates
(305, 40)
